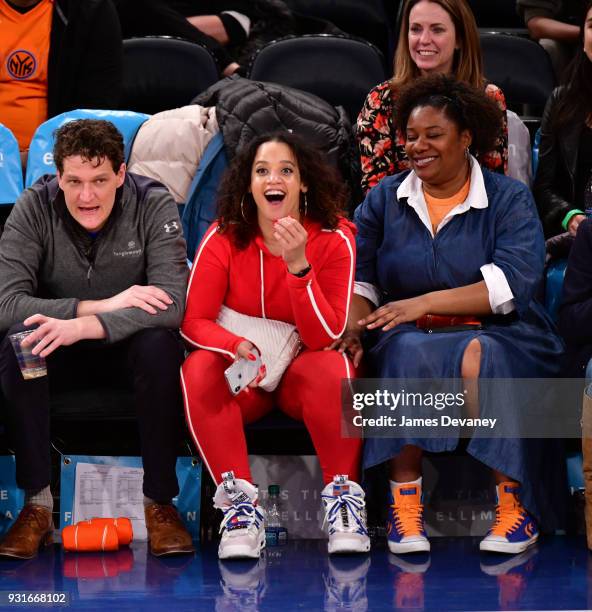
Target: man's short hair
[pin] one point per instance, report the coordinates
(91, 139)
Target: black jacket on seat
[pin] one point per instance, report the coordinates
(246, 109)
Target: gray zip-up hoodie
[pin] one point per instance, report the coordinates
(48, 262)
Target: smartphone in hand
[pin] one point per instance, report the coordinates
(241, 373)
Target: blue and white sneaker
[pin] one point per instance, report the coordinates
(243, 586)
(405, 527)
(345, 583)
(345, 516)
(242, 528)
(514, 529)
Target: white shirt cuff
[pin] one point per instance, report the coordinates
(369, 291)
(501, 298)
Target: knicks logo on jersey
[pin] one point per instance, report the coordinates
(21, 64)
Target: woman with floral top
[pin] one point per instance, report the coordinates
(436, 36)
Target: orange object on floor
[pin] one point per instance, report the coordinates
(98, 565)
(85, 537)
(125, 532)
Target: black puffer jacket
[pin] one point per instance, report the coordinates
(246, 109)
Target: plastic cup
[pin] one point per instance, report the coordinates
(32, 366)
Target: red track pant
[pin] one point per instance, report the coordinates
(309, 391)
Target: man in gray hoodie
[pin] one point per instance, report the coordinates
(93, 260)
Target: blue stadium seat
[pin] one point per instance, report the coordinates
(200, 209)
(339, 70)
(554, 286)
(40, 159)
(11, 174)
(535, 151)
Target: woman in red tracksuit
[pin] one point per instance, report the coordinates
(280, 250)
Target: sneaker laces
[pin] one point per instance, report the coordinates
(243, 509)
(408, 518)
(507, 519)
(351, 505)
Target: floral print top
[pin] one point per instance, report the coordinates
(381, 155)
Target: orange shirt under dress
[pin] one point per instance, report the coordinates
(438, 208)
(24, 52)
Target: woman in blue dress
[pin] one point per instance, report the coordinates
(450, 238)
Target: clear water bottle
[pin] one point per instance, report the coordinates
(275, 531)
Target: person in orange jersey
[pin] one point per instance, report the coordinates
(56, 55)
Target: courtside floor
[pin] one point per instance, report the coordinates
(556, 575)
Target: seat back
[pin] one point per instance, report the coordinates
(519, 150)
(200, 207)
(160, 73)
(11, 174)
(554, 286)
(339, 70)
(535, 151)
(40, 160)
(520, 67)
(371, 20)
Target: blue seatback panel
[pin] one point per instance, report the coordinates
(200, 208)
(40, 159)
(554, 287)
(535, 151)
(11, 174)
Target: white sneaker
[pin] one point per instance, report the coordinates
(345, 515)
(345, 584)
(243, 533)
(242, 588)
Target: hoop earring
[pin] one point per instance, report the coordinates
(467, 154)
(242, 207)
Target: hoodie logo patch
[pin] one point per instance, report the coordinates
(130, 251)
(173, 226)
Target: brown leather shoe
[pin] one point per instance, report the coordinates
(166, 533)
(32, 529)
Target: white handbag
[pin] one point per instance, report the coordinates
(277, 341)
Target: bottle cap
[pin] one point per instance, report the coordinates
(273, 489)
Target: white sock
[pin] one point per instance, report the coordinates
(39, 497)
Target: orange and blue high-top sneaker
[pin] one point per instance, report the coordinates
(405, 528)
(513, 575)
(514, 529)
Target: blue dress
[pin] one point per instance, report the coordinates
(399, 256)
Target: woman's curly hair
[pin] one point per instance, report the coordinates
(466, 106)
(326, 196)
